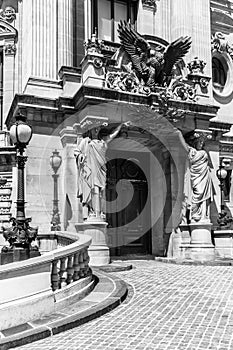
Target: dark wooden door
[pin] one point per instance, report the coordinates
(127, 196)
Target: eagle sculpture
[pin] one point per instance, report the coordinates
(152, 66)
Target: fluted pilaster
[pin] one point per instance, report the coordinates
(162, 25)
(192, 18)
(44, 36)
(65, 33)
(201, 32)
(181, 18)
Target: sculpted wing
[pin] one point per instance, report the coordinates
(135, 45)
(175, 51)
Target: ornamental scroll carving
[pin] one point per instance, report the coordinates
(222, 43)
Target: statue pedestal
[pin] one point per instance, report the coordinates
(98, 250)
(201, 247)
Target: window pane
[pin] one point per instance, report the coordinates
(120, 12)
(104, 19)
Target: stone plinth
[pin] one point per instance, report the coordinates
(201, 247)
(98, 250)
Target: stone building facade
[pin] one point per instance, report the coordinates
(65, 87)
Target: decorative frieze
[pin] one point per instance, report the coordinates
(124, 81)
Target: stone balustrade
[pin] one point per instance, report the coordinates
(38, 286)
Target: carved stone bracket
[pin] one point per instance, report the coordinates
(8, 14)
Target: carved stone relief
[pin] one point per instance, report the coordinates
(222, 43)
(10, 49)
(8, 14)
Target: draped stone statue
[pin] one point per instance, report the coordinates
(198, 182)
(91, 164)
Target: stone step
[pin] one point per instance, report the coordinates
(110, 291)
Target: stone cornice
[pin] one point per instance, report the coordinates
(220, 126)
(40, 111)
(50, 113)
(90, 95)
(70, 73)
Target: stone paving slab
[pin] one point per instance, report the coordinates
(169, 307)
(93, 305)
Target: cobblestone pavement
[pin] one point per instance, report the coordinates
(170, 307)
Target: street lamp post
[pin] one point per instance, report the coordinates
(55, 162)
(20, 235)
(223, 219)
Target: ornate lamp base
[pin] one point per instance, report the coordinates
(20, 236)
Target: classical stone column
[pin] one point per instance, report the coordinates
(193, 18)
(181, 18)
